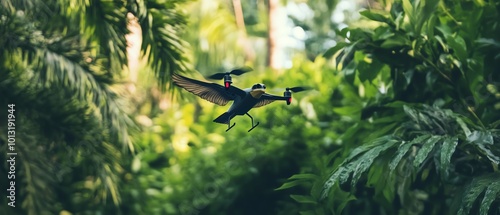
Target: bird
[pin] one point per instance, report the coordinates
(243, 99)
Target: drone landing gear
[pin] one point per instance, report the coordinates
(229, 126)
(253, 125)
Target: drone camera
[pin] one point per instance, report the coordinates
(288, 95)
(227, 81)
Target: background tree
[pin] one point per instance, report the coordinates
(60, 64)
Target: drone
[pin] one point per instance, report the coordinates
(243, 99)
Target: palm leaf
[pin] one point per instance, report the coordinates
(162, 46)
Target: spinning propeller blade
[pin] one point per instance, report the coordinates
(238, 71)
(299, 89)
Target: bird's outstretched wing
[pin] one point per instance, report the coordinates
(266, 99)
(211, 92)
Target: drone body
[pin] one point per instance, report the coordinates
(243, 100)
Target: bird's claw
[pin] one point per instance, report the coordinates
(253, 127)
(229, 127)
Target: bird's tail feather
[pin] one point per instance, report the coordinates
(224, 118)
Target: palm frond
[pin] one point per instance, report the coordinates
(162, 45)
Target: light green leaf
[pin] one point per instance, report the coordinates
(375, 15)
(408, 9)
(480, 137)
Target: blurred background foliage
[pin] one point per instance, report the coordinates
(403, 118)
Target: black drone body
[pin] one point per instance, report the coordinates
(243, 99)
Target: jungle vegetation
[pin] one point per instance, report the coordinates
(404, 117)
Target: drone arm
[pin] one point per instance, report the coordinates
(266, 99)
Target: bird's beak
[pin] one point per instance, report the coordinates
(257, 93)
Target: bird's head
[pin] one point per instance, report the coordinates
(258, 90)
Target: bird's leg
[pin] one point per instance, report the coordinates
(253, 126)
(229, 126)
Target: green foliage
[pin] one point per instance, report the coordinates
(426, 123)
(61, 64)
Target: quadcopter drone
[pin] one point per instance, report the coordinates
(244, 100)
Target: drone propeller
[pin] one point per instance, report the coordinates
(298, 89)
(238, 71)
(288, 95)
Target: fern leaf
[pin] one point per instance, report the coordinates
(489, 196)
(423, 152)
(447, 151)
(403, 149)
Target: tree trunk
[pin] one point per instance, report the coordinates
(243, 38)
(273, 35)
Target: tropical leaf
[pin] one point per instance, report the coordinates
(358, 162)
(476, 187)
(161, 25)
(447, 150)
(491, 194)
(403, 149)
(425, 150)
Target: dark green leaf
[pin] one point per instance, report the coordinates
(425, 149)
(365, 161)
(304, 176)
(303, 199)
(395, 42)
(375, 15)
(332, 51)
(491, 194)
(447, 150)
(289, 184)
(403, 149)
